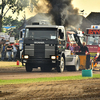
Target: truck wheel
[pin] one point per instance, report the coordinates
(76, 67)
(28, 67)
(60, 68)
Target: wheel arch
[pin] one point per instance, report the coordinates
(63, 55)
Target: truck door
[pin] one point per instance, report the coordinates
(61, 39)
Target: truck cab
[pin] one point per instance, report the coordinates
(44, 46)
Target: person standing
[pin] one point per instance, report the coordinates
(3, 51)
(14, 51)
(76, 48)
(84, 48)
(9, 51)
(71, 48)
(18, 53)
(98, 54)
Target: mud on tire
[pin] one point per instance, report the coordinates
(28, 67)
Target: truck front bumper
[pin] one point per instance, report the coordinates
(39, 62)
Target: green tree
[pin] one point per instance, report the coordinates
(15, 6)
(9, 21)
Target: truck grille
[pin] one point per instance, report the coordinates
(29, 50)
(39, 51)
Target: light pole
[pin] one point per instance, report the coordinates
(24, 19)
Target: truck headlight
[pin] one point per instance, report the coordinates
(26, 57)
(53, 57)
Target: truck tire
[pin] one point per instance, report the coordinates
(76, 67)
(28, 67)
(60, 68)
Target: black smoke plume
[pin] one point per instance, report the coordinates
(63, 13)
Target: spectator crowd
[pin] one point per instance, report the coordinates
(10, 49)
(14, 49)
(76, 48)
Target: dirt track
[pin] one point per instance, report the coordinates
(61, 90)
(58, 90)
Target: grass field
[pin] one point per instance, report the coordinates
(12, 64)
(20, 81)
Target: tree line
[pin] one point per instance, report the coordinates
(14, 6)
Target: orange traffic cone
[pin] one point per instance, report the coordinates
(17, 62)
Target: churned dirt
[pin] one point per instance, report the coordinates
(58, 90)
(87, 89)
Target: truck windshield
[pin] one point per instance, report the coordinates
(41, 33)
(92, 40)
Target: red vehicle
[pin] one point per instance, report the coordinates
(93, 39)
(70, 38)
(75, 37)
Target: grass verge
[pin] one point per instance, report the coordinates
(16, 66)
(11, 66)
(20, 81)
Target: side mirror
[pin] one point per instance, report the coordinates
(21, 34)
(62, 35)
